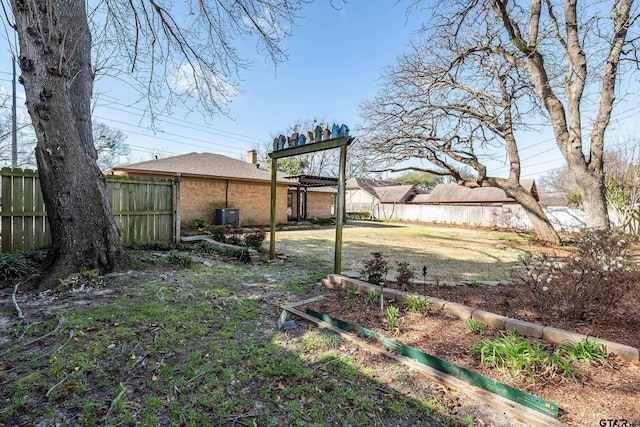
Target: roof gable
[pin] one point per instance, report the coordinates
(386, 192)
(203, 165)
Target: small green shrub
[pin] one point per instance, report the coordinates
(374, 269)
(218, 232)
(20, 264)
(180, 259)
(235, 239)
(199, 223)
(475, 327)
(254, 239)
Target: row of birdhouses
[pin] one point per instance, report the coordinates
(317, 135)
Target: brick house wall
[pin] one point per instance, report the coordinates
(319, 204)
(199, 198)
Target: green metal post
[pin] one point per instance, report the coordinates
(272, 236)
(337, 263)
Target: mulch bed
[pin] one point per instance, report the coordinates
(603, 392)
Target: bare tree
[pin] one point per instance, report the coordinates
(567, 57)
(183, 51)
(572, 53)
(560, 187)
(453, 106)
(110, 146)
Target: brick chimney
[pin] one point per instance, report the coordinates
(252, 157)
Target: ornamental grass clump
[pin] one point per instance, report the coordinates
(586, 284)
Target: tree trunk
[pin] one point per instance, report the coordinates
(594, 197)
(55, 60)
(536, 214)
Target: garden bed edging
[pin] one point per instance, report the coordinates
(528, 329)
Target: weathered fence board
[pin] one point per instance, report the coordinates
(143, 209)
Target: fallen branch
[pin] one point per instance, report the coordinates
(113, 403)
(60, 322)
(39, 357)
(15, 302)
(57, 384)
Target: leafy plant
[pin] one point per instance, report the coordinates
(20, 264)
(404, 278)
(445, 285)
(392, 318)
(372, 296)
(416, 303)
(199, 223)
(476, 327)
(586, 284)
(474, 284)
(218, 232)
(374, 269)
(180, 259)
(351, 294)
(254, 239)
(515, 354)
(588, 351)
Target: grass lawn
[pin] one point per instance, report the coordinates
(449, 253)
(177, 343)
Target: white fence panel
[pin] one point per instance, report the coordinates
(510, 216)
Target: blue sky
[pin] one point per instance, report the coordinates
(336, 58)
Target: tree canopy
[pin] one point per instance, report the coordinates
(483, 72)
(171, 53)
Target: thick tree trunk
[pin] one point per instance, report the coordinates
(536, 214)
(594, 197)
(55, 60)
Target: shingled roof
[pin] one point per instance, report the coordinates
(386, 192)
(458, 194)
(206, 165)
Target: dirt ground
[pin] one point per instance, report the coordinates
(602, 392)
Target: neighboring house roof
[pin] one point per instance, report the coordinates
(207, 165)
(454, 193)
(386, 192)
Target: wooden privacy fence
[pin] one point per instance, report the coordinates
(143, 208)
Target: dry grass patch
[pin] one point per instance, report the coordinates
(449, 253)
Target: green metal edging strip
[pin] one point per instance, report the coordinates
(543, 406)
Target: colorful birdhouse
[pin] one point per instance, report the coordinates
(344, 130)
(275, 144)
(317, 134)
(310, 137)
(335, 131)
(293, 139)
(326, 134)
(302, 139)
(282, 142)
